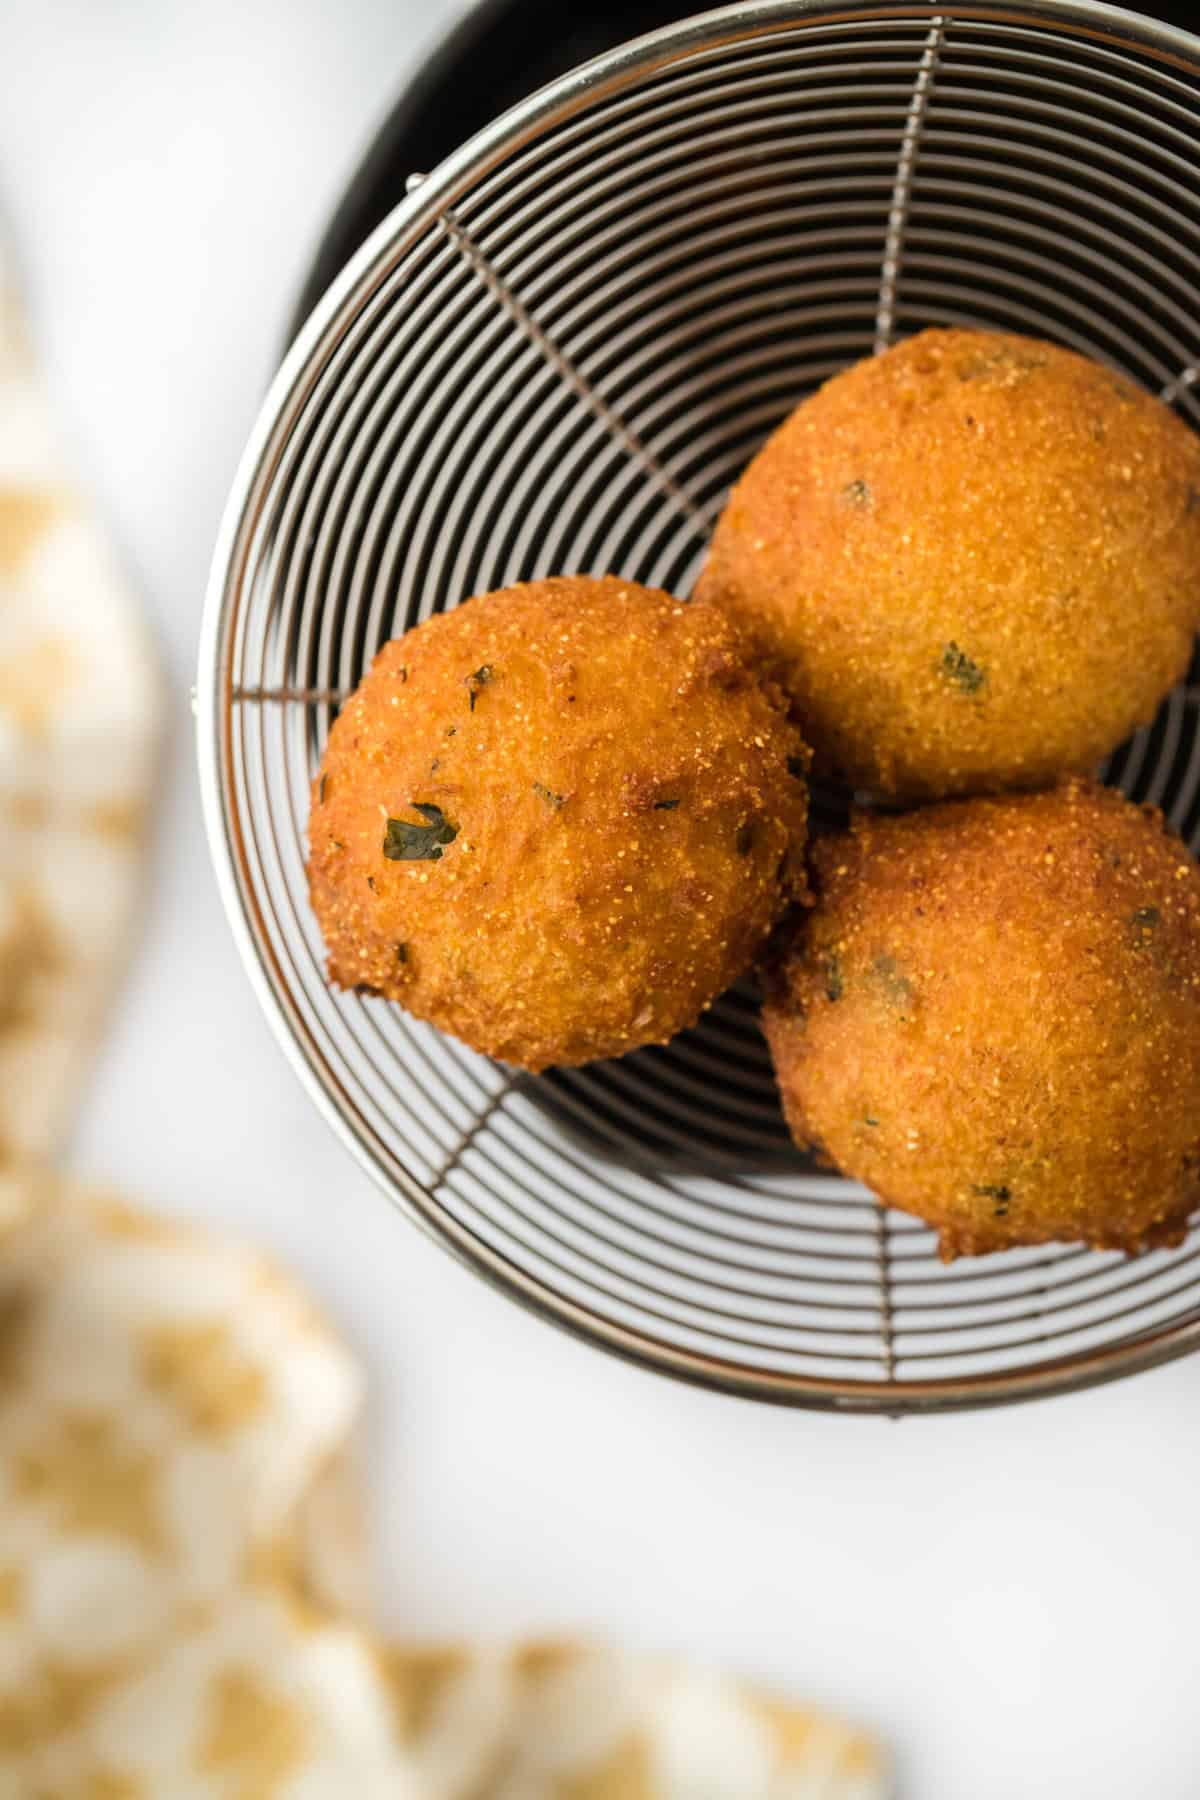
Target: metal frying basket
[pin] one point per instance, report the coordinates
(556, 356)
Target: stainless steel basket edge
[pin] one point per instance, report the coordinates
(283, 401)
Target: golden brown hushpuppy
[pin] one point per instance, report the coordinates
(992, 1018)
(975, 560)
(558, 821)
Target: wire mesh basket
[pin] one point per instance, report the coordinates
(556, 356)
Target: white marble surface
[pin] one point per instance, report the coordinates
(1012, 1598)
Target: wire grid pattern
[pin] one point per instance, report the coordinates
(557, 356)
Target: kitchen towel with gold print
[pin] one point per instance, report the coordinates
(181, 1575)
(79, 709)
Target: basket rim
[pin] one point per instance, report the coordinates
(429, 197)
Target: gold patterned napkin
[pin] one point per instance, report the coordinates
(79, 711)
(182, 1573)
(179, 1552)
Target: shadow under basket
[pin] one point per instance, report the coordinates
(555, 356)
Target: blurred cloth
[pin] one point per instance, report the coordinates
(183, 1579)
(79, 714)
(182, 1568)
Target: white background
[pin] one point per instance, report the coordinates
(1012, 1597)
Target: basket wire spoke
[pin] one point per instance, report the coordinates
(556, 356)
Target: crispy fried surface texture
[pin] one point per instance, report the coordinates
(975, 560)
(614, 816)
(992, 1018)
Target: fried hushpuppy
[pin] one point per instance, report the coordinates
(558, 821)
(974, 560)
(992, 1018)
